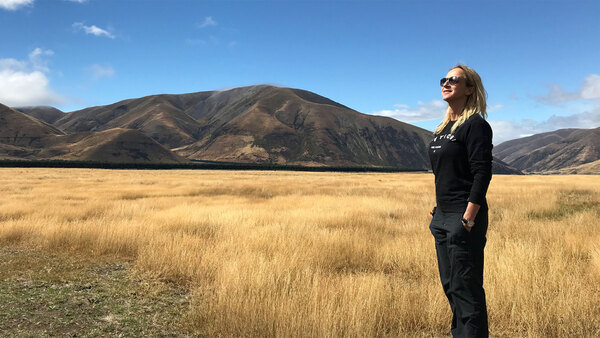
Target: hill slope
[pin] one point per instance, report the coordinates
(25, 137)
(42, 113)
(551, 151)
(18, 129)
(114, 145)
(255, 124)
(261, 124)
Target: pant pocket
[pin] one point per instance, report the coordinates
(464, 265)
(457, 233)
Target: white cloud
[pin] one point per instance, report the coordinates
(588, 117)
(98, 71)
(13, 5)
(508, 130)
(494, 108)
(424, 111)
(24, 83)
(556, 94)
(21, 88)
(13, 64)
(93, 29)
(37, 61)
(589, 90)
(78, 1)
(208, 21)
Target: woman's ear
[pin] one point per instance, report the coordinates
(470, 90)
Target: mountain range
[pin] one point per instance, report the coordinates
(25, 137)
(255, 124)
(569, 151)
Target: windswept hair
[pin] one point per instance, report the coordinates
(476, 102)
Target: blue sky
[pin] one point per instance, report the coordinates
(539, 60)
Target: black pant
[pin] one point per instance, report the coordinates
(460, 261)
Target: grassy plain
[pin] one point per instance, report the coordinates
(44, 294)
(319, 254)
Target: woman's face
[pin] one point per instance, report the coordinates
(458, 91)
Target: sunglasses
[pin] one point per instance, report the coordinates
(451, 80)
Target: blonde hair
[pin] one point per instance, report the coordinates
(476, 102)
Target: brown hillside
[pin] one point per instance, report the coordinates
(256, 124)
(263, 124)
(509, 151)
(276, 125)
(42, 113)
(591, 168)
(14, 152)
(552, 151)
(18, 129)
(25, 137)
(160, 117)
(113, 145)
(499, 167)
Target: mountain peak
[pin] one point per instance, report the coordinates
(260, 123)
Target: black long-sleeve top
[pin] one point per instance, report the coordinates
(462, 164)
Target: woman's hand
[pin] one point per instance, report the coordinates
(470, 213)
(432, 212)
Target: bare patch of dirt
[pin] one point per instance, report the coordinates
(46, 294)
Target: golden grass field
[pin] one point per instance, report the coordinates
(286, 254)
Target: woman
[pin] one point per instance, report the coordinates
(461, 159)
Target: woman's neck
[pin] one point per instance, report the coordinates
(455, 110)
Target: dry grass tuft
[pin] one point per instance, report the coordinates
(320, 254)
